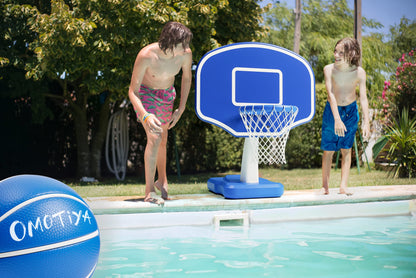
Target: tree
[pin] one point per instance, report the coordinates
(336, 21)
(403, 37)
(14, 55)
(398, 113)
(25, 116)
(89, 47)
(76, 53)
(239, 21)
(323, 24)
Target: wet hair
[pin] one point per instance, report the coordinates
(174, 33)
(352, 52)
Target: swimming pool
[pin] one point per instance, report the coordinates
(359, 247)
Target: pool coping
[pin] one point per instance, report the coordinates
(253, 217)
(214, 202)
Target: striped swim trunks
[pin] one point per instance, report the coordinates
(158, 102)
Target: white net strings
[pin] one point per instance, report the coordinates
(270, 125)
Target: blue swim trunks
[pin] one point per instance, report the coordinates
(349, 116)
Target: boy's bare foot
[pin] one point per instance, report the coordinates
(343, 191)
(154, 199)
(163, 190)
(326, 190)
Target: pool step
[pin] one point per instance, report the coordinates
(240, 219)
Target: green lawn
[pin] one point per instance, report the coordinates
(197, 184)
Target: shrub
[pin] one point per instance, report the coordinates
(400, 92)
(401, 139)
(399, 118)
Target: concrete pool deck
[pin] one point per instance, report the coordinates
(125, 213)
(213, 202)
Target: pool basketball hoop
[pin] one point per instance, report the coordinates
(268, 126)
(258, 91)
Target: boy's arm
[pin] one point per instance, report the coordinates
(339, 127)
(364, 103)
(185, 88)
(139, 69)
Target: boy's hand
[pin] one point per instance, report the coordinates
(175, 118)
(366, 130)
(339, 128)
(153, 124)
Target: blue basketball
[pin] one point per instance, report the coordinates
(46, 229)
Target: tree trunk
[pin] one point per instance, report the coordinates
(358, 24)
(90, 142)
(298, 13)
(99, 137)
(79, 111)
(90, 131)
(83, 152)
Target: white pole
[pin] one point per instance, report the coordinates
(249, 163)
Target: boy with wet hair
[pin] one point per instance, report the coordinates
(152, 95)
(172, 34)
(340, 118)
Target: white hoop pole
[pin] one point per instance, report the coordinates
(249, 163)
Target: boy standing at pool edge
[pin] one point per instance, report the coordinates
(340, 118)
(152, 95)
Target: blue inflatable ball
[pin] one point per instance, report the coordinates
(46, 230)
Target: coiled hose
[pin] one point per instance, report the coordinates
(118, 142)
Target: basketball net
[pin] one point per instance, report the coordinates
(268, 126)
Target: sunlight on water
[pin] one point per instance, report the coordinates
(336, 255)
(355, 247)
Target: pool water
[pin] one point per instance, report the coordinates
(350, 247)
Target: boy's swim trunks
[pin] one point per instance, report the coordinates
(349, 116)
(158, 102)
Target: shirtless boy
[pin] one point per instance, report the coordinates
(152, 94)
(340, 119)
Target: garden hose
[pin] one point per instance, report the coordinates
(118, 134)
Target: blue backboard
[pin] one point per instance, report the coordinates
(252, 74)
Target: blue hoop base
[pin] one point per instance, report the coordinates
(232, 188)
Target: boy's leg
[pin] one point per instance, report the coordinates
(345, 170)
(162, 181)
(150, 160)
(326, 169)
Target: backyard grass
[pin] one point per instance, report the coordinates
(297, 179)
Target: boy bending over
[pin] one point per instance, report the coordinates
(152, 94)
